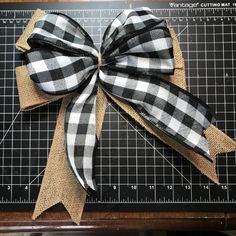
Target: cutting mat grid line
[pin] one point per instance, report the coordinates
(131, 166)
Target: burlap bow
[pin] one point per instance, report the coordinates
(134, 68)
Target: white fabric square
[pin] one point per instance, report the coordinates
(92, 120)
(156, 112)
(116, 23)
(82, 97)
(142, 86)
(174, 124)
(134, 20)
(70, 139)
(166, 63)
(89, 140)
(123, 61)
(64, 61)
(120, 81)
(127, 12)
(61, 23)
(39, 66)
(143, 62)
(160, 44)
(71, 81)
(194, 137)
(74, 118)
(163, 93)
(47, 86)
(87, 163)
(87, 167)
(181, 105)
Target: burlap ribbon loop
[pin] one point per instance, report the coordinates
(67, 191)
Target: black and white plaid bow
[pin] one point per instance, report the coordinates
(136, 52)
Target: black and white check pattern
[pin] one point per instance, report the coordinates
(170, 109)
(62, 54)
(136, 52)
(80, 127)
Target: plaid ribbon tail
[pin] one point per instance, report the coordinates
(172, 110)
(80, 132)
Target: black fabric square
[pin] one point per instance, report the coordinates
(68, 37)
(169, 109)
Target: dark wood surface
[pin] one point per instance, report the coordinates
(114, 221)
(123, 221)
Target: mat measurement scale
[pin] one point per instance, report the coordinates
(134, 171)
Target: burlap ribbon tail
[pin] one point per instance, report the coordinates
(59, 184)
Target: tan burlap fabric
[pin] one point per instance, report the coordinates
(26, 87)
(59, 185)
(22, 44)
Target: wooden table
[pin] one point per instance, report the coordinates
(114, 221)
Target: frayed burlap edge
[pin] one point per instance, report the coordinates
(58, 174)
(22, 44)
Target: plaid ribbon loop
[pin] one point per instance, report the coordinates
(136, 53)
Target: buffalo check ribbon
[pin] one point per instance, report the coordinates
(135, 54)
